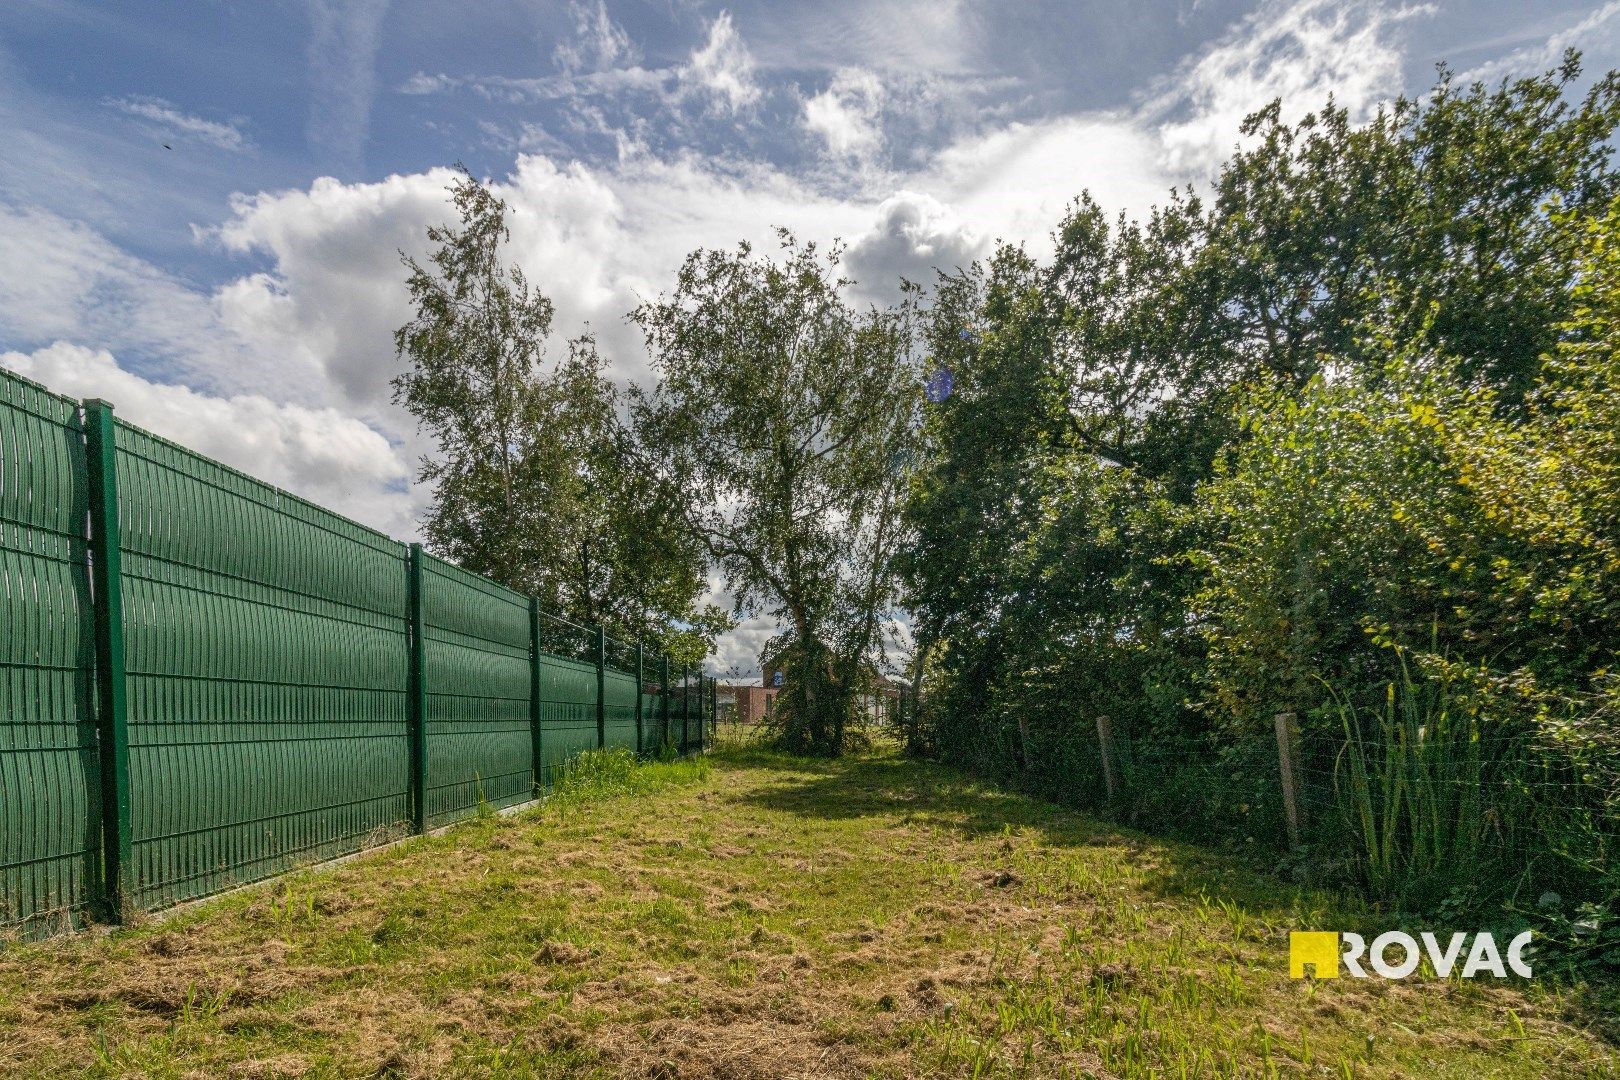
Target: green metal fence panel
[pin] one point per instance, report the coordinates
(567, 712)
(684, 690)
(476, 657)
(267, 661)
(266, 651)
(621, 709)
(652, 717)
(49, 811)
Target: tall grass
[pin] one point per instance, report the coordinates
(1422, 791)
(602, 774)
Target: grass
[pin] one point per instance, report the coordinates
(755, 915)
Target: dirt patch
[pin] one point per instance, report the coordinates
(561, 952)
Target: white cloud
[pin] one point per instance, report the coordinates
(1596, 34)
(205, 370)
(914, 37)
(320, 454)
(422, 84)
(914, 235)
(596, 241)
(343, 42)
(182, 125)
(598, 43)
(736, 654)
(1301, 52)
(1014, 183)
(724, 67)
(62, 279)
(337, 291)
(510, 90)
(846, 114)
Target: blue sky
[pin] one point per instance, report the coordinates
(201, 203)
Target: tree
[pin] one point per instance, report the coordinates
(1053, 519)
(1429, 221)
(532, 487)
(782, 426)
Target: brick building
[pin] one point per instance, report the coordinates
(754, 703)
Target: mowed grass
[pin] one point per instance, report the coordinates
(755, 915)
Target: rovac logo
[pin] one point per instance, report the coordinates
(1395, 955)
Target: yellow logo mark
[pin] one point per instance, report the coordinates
(1319, 948)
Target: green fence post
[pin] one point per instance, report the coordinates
(116, 883)
(416, 699)
(686, 709)
(536, 757)
(641, 659)
(714, 707)
(601, 687)
(663, 698)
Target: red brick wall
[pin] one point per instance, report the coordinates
(753, 702)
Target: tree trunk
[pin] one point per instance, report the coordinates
(914, 745)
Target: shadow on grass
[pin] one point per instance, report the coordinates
(889, 785)
(886, 784)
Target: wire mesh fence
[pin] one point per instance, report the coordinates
(205, 681)
(1418, 814)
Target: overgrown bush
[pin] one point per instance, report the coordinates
(1352, 424)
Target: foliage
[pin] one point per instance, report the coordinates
(781, 427)
(1317, 556)
(1353, 407)
(531, 485)
(1550, 489)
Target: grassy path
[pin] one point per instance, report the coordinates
(753, 915)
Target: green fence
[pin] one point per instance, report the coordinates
(205, 681)
(49, 809)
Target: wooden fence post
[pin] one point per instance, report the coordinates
(1288, 757)
(1105, 744)
(116, 880)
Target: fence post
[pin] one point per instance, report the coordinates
(1105, 742)
(536, 754)
(714, 707)
(416, 697)
(641, 685)
(1288, 757)
(601, 687)
(686, 709)
(116, 883)
(663, 698)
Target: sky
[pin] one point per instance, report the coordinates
(202, 204)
